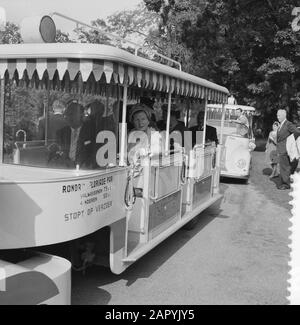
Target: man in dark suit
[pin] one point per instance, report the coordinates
(100, 123)
(211, 132)
(177, 127)
(77, 139)
(175, 123)
(56, 121)
(285, 129)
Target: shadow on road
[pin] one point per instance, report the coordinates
(89, 293)
(159, 255)
(267, 171)
(96, 277)
(259, 178)
(229, 180)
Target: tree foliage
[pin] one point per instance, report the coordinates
(10, 35)
(62, 37)
(138, 26)
(135, 23)
(96, 36)
(248, 46)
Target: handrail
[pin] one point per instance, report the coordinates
(24, 134)
(116, 37)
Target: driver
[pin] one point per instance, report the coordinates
(242, 127)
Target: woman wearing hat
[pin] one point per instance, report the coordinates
(144, 136)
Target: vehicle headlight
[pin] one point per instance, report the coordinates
(252, 146)
(241, 163)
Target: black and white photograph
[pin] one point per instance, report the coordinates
(149, 155)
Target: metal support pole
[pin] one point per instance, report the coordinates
(222, 123)
(204, 125)
(219, 154)
(216, 188)
(46, 112)
(2, 93)
(122, 161)
(167, 144)
(188, 112)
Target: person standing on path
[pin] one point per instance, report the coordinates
(295, 162)
(285, 129)
(271, 150)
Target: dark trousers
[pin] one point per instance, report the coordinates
(285, 169)
(294, 165)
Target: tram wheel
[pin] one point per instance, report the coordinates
(191, 224)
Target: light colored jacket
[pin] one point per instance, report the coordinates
(293, 147)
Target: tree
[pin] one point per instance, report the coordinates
(93, 35)
(10, 35)
(248, 46)
(138, 25)
(134, 24)
(62, 37)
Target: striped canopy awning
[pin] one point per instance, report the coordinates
(231, 109)
(94, 70)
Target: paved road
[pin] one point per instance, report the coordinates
(237, 254)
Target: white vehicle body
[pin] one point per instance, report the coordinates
(236, 148)
(44, 204)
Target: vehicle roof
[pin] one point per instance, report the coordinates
(86, 52)
(231, 107)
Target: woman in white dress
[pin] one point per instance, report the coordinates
(144, 138)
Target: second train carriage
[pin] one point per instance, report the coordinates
(237, 141)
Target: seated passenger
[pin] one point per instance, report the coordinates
(143, 137)
(56, 122)
(100, 123)
(150, 103)
(177, 127)
(76, 140)
(175, 123)
(96, 111)
(211, 132)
